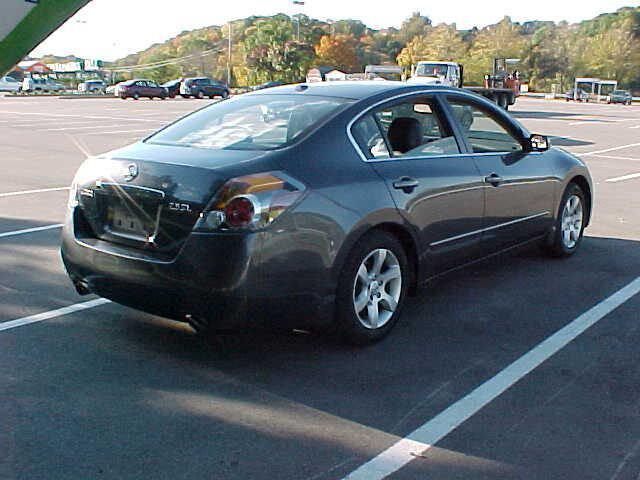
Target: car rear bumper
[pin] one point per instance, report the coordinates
(218, 281)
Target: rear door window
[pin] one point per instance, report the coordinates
(369, 137)
(414, 128)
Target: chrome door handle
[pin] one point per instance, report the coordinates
(494, 179)
(406, 184)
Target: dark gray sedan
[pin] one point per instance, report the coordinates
(316, 206)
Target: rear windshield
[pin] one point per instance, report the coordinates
(250, 122)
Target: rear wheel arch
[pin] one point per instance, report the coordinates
(406, 239)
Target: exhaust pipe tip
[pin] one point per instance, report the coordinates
(82, 287)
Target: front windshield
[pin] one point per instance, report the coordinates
(431, 70)
(250, 122)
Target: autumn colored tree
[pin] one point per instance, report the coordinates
(441, 43)
(338, 51)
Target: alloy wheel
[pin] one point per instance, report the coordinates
(377, 288)
(572, 218)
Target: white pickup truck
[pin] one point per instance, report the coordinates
(451, 74)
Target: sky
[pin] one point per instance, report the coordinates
(112, 29)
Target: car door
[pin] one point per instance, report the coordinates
(438, 190)
(519, 184)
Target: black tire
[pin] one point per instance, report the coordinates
(503, 102)
(347, 321)
(225, 94)
(556, 246)
(200, 95)
(136, 96)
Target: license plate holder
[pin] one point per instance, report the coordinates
(122, 222)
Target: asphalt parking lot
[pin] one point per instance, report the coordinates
(108, 392)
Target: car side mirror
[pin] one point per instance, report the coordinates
(538, 143)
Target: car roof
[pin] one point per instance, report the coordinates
(355, 90)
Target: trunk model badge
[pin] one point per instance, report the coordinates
(130, 172)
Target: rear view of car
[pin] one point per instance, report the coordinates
(620, 96)
(92, 86)
(202, 87)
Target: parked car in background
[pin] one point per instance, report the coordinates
(262, 86)
(45, 85)
(92, 86)
(201, 87)
(325, 214)
(577, 95)
(141, 88)
(173, 87)
(620, 96)
(9, 84)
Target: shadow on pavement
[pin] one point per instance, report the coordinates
(127, 392)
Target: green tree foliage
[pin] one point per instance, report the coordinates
(504, 39)
(271, 53)
(414, 26)
(269, 48)
(443, 42)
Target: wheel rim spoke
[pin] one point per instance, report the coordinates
(378, 259)
(363, 274)
(390, 273)
(373, 313)
(361, 301)
(389, 302)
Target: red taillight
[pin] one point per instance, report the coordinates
(239, 212)
(251, 202)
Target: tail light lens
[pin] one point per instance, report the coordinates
(250, 202)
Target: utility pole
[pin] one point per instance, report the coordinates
(299, 4)
(229, 59)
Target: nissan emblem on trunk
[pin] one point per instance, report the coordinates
(131, 172)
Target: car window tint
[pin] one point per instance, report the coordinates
(369, 138)
(481, 128)
(251, 122)
(412, 128)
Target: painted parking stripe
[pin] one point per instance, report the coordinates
(613, 149)
(28, 192)
(30, 230)
(405, 450)
(40, 317)
(623, 178)
(149, 130)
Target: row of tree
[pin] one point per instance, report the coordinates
(284, 48)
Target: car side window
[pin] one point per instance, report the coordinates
(369, 137)
(482, 130)
(413, 128)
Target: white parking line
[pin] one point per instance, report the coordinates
(621, 147)
(618, 158)
(149, 130)
(623, 178)
(27, 192)
(39, 317)
(63, 129)
(65, 115)
(30, 230)
(426, 436)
